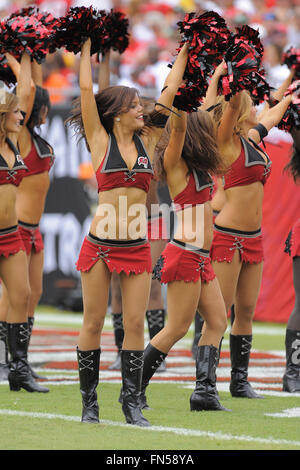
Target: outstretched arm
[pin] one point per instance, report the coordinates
(95, 133)
(104, 72)
(173, 81)
(212, 90)
(278, 94)
(229, 120)
(25, 86)
(272, 117)
(178, 125)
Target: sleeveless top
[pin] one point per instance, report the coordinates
(198, 190)
(41, 157)
(113, 171)
(248, 168)
(15, 174)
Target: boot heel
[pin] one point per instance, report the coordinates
(14, 386)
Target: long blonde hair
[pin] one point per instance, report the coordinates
(245, 106)
(8, 102)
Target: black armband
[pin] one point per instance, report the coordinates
(211, 108)
(263, 132)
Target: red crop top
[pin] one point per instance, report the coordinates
(41, 157)
(198, 191)
(249, 167)
(114, 173)
(15, 174)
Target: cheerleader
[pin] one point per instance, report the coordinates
(31, 195)
(186, 154)
(291, 377)
(122, 148)
(237, 249)
(13, 261)
(156, 234)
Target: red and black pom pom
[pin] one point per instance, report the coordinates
(207, 35)
(6, 74)
(291, 118)
(243, 59)
(27, 30)
(106, 30)
(291, 58)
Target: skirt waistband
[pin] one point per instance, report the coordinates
(6, 231)
(237, 233)
(26, 225)
(116, 243)
(188, 247)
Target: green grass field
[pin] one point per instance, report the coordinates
(52, 421)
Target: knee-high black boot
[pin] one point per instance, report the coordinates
(88, 367)
(198, 325)
(291, 378)
(30, 328)
(117, 320)
(4, 367)
(132, 370)
(20, 375)
(156, 322)
(152, 360)
(205, 396)
(240, 348)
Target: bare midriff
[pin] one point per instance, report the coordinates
(194, 226)
(121, 214)
(243, 207)
(31, 197)
(8, 215)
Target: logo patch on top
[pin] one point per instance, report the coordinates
(143, 161)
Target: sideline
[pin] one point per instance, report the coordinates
(179, 431)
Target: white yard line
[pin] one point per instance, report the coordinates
(76, 318)
(172, 430)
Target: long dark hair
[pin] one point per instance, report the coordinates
(41, 100)
(293, 167)
(110, 102)
(200, 150)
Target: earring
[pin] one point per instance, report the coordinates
(117, 119)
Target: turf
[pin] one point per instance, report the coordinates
(52, 421)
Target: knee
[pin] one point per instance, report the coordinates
(93, 326)
(218, 324)
(36, 292)
(178, 332)
(19, 299)
(134, 325)
(245, 312)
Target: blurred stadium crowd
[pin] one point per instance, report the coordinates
(154, 38)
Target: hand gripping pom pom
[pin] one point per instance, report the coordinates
(291, 58)
(291, 118)
(106, 31)
(207, 35)
(243, 59)
(29, 31)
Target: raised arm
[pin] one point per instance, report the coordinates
(212, 90)
(279, 93)
(173, 81)
(104, 72)
(37, 73)
(272, 117)
(178, 125)
(96, 135)
(229, 120)
(25, 86)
